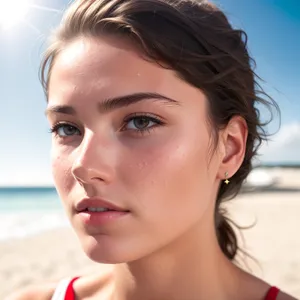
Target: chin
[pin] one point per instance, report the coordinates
(107, 250)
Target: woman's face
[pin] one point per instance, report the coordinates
(131, 133)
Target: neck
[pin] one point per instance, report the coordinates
(192, 267)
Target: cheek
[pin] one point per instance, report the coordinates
(61, 170)
(171, 174)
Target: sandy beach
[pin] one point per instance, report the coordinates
(274, 241)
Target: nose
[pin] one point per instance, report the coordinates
(94, 160)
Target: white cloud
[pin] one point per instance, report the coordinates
(31, 178)
(285, 145)
(26, 170)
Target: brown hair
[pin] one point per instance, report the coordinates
(195, 39)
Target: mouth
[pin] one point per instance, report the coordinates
(97, 212)
(97, 205)
(98, 209)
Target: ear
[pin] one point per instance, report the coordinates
(232, 147)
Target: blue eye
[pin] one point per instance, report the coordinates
(64, 130)
(141, 123)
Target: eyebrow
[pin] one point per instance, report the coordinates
(111, 104)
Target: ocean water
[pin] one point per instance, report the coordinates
(28, 211)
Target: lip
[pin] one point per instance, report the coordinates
(82, 205)
(105, 218)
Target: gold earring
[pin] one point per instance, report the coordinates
(226, 178)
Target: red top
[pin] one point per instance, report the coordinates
(70, 295)
(272, 293)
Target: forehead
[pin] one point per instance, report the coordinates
(107, 67)
(102, 62)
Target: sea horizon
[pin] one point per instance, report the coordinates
(26, 211)
(51, 186)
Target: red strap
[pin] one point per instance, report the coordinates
(272, 293)
(70, 295)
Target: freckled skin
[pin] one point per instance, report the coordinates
(162, 177)
(167, 176)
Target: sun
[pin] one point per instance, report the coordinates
(12, 12)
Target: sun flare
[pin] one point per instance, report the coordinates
(12, 12)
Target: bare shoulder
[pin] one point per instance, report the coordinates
(96, 284)
(86, 286)
(38, 292)
(283, 296)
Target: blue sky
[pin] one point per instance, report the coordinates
(273, 28)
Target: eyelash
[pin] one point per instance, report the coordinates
(158, 122)
(54, 129)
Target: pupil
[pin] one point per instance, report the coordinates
(141, 123)
(69, 130)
